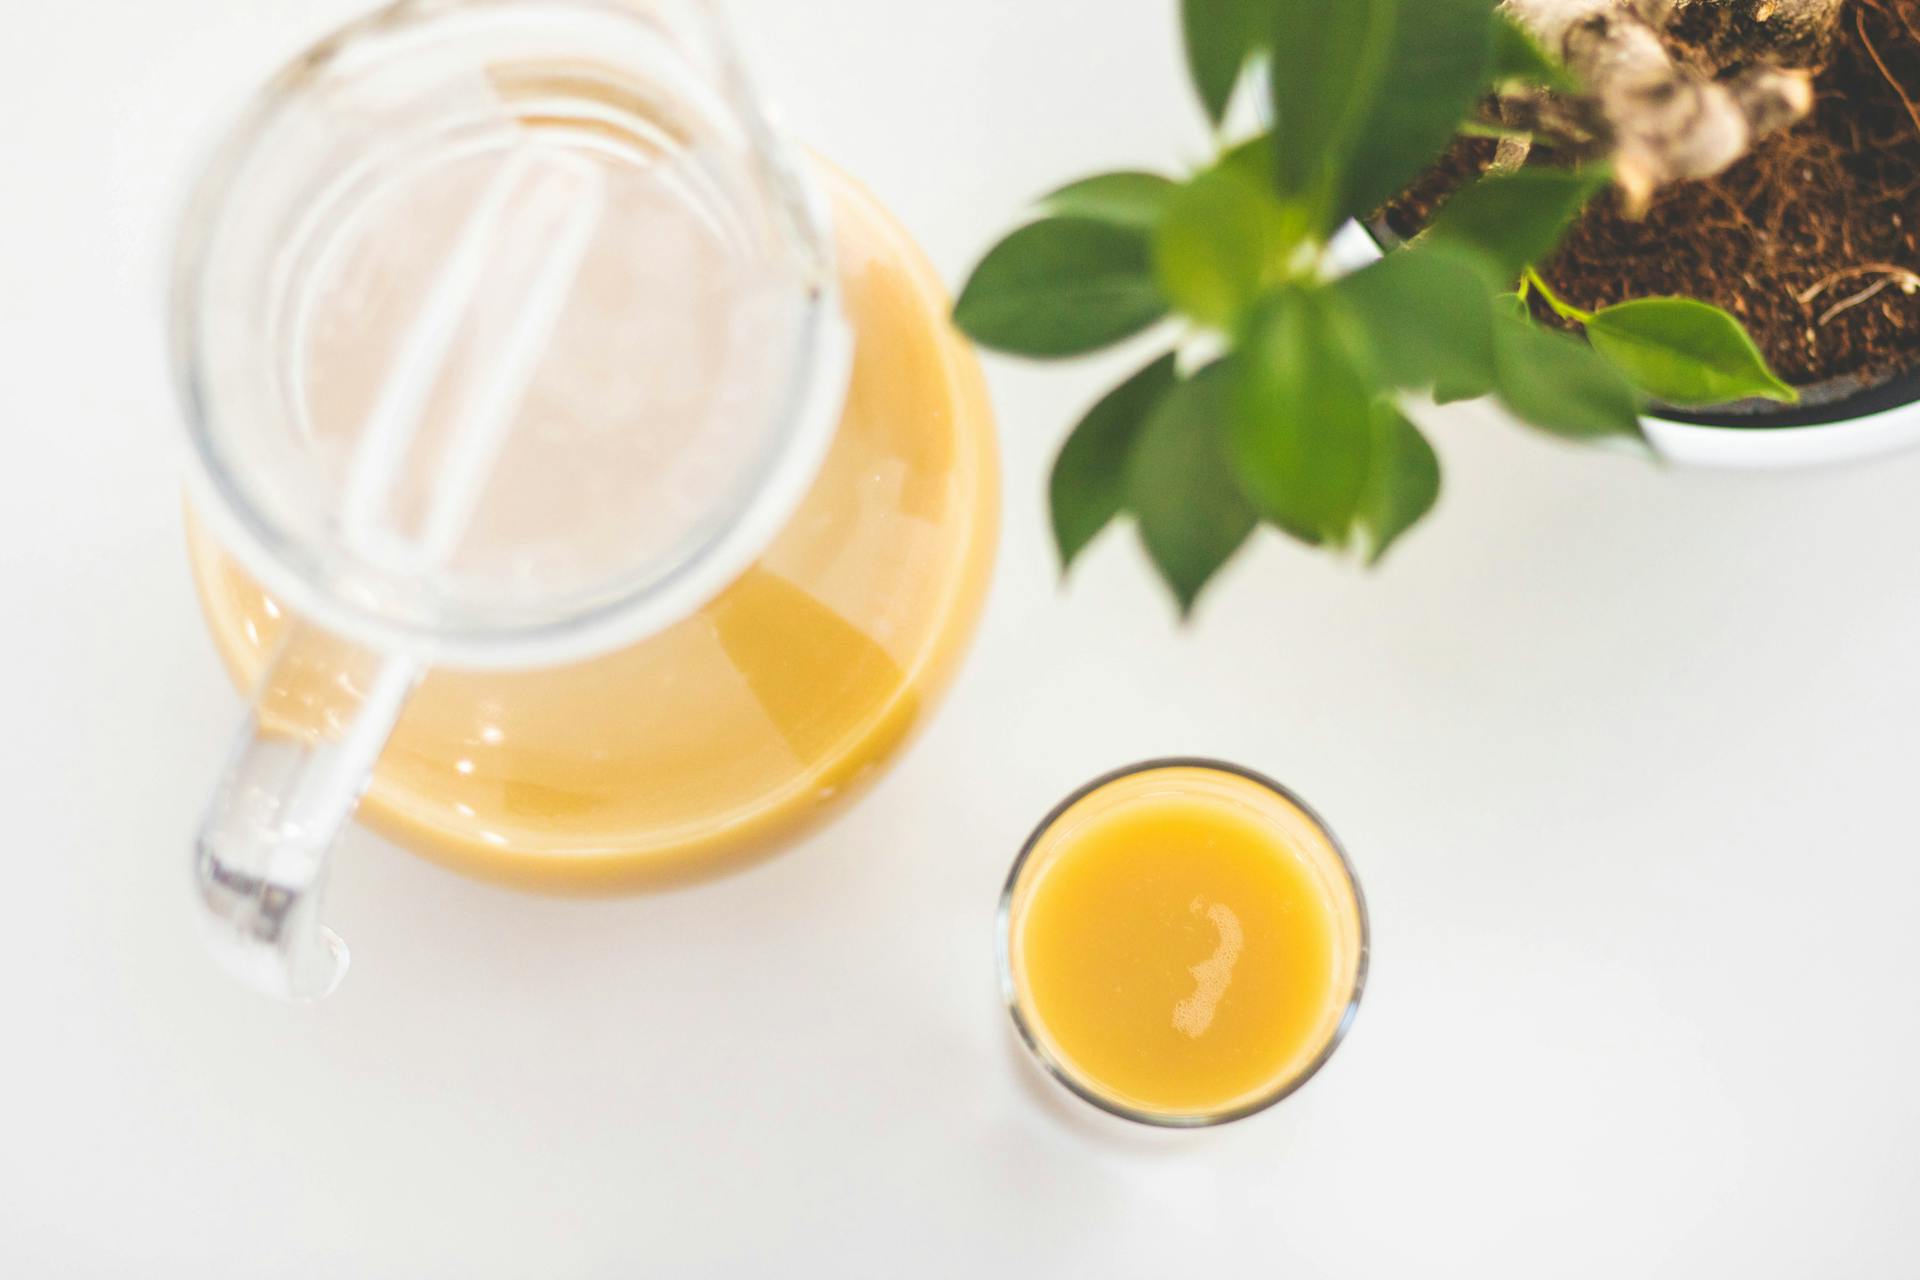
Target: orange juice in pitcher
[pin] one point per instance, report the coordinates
(591, 489)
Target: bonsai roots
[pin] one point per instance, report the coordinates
(1665, 111)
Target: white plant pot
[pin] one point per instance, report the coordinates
(1850, 438)
(1869, 425)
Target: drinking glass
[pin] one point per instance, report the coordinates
(1292, 826)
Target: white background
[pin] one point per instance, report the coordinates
(1627, 759)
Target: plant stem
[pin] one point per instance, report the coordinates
(1482, 129)
(1565, 310)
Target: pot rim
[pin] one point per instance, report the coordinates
(1836, 410)
(1871, 400)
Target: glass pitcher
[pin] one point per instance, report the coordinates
(589, 487)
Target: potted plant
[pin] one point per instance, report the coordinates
(1577, 199)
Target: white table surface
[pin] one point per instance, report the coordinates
(1627, 761)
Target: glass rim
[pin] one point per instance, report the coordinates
(303, 574)
(1058, 1070)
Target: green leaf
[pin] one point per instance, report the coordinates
(1403, 480)
(1684, 352)
(1191, 514)
(1220, 36)
(1326, 66)
(1435, 68)
(1515, 219)
(1061, 287)
(1125, 199)
(1518, 56)
(1559, 384)
(1252, 159)
(1427, 317)
(1223, 237)
(1445, 392)
(1300, 429)
(1089, 483)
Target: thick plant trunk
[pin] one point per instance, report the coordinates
(1666, 117)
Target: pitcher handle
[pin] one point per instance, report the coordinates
(304, 756)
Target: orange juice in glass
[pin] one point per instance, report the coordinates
(1182, 943)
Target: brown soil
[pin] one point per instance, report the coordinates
(1813, 240)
